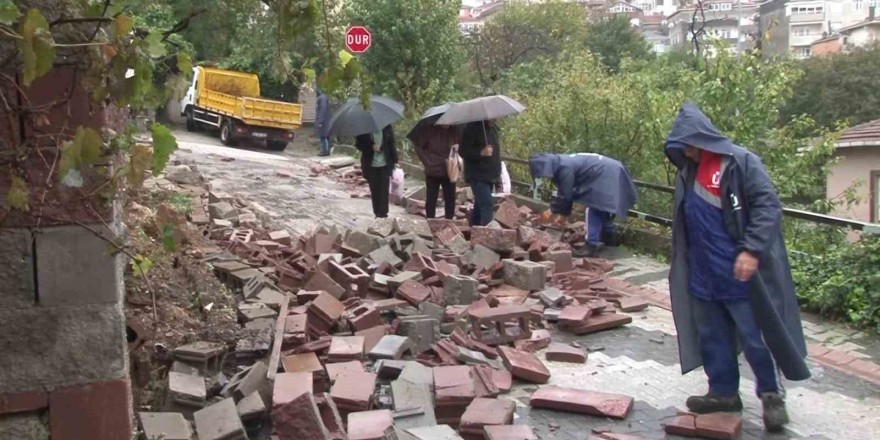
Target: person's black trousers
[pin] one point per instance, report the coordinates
(380, 187)
(432, 189)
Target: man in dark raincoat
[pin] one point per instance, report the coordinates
(600, 183)
(322, 122)
(730, 281)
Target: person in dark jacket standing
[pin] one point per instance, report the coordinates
(481, 151)
(322, 122)
(730, 279)
(433, 148)
(378, 159)
(600, 183)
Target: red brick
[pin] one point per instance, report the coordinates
(23, 401)
(614, 436)
(454, 386)
(683, 424)
(369, 425)
(523, 365)
(718, 426)
(630, 304)
(816, 351)
(364, 317)
(346, 348)
(601, 322)
(485, 412)
(353, 391)
(289, 386)
(510, 432)
(583, 402)
(566, 353)
(539, 340)
(863, 367)
(97, 411)
(508, 215)
(498, 240)
(837, 357)
(372, 336)
(299, 418)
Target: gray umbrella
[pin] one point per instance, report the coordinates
(481, 109)
(428, 118)
(353, 120)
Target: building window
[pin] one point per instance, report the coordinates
(802, 52)
(858, 5)
(801, 31)
(808, 10)
(720, 7)
(875, 197)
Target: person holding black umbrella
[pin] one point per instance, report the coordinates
(480, 147)
(434, 145)
(378, 160)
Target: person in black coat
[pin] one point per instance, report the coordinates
(378, 159)
(481, 150)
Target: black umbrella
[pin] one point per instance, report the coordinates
(352, 119)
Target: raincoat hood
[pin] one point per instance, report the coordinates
(543, 165)
(693, 128)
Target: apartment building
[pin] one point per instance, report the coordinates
(792, 26)
(733, 22)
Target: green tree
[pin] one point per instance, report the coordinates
(522, 33)
(841, 87)
(416, 49)
(613, 39)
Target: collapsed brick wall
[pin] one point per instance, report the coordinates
(63, 368)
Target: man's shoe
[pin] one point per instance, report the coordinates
(610, 239)
(586, 251)
(775, 415)
(714, 403)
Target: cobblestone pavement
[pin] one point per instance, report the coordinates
(639, 360)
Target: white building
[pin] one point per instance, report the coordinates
(794, 25)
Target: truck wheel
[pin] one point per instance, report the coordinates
(276, 145)
(226, 133)
(191, 124)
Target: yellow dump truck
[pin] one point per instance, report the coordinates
(231, 102)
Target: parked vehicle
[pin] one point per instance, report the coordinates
(231, 102)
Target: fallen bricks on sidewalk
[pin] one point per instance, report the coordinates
(409, 326)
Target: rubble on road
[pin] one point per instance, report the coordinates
(410, 328)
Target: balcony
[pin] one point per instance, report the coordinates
(807, 18)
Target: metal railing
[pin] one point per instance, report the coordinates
(799, 214)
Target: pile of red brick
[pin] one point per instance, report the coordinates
(410, 326)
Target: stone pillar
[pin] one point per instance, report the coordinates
(63, 351)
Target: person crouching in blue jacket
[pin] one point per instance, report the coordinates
(600, 183)
(730, 282)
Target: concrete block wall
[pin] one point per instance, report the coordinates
(63, 349)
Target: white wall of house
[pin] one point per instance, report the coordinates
(863, 36)
(855, 165)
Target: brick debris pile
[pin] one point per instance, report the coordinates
(407, 329)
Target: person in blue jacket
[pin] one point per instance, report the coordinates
(730, 282)
(600, 183)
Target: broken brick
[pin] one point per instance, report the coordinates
(558, 352)
(583, 402)
(486, 412)
(299, 418)
(599, 323)
(346, 348)
(369, 425)
(510, 432)
(539, 340)
(288, 386)
(498, 240)
(489, 326)
(525, 275)
(523, 365)
(353, 391)
(508, 215)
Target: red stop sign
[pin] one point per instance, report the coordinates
(358, 39)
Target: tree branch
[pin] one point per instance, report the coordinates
(182, 24)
